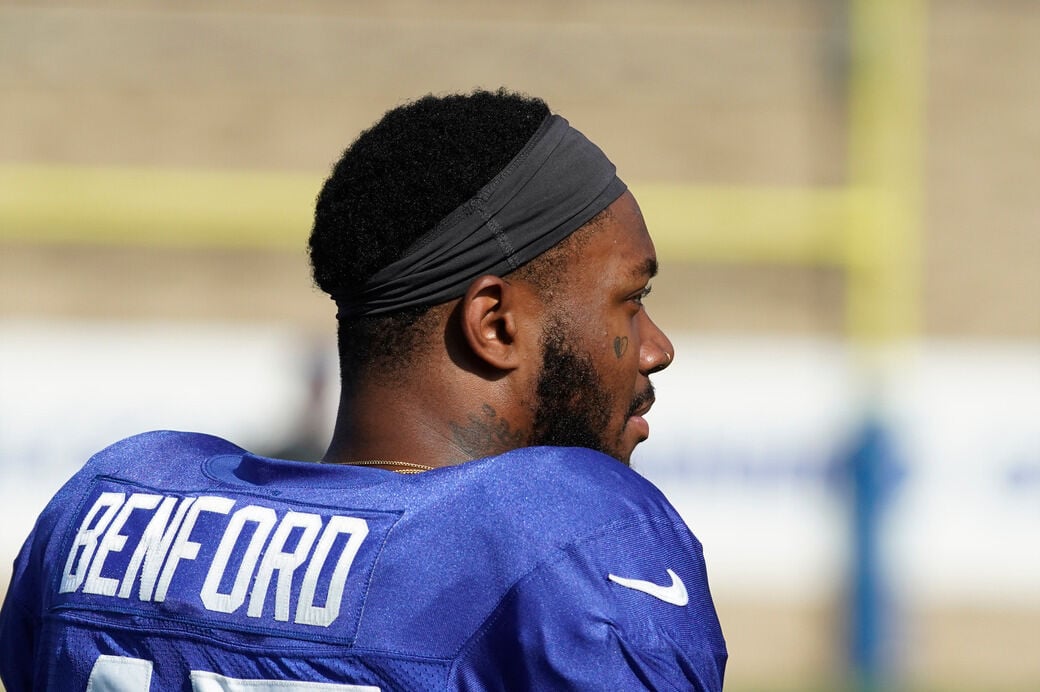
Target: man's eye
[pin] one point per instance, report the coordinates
(638, 298)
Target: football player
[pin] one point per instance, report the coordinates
(474, 525)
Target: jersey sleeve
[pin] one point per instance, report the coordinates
(19, 626)
(627, 608)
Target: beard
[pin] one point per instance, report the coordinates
(572, 407)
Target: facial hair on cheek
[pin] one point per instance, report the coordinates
(572, 408)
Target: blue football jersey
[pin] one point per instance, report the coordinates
(178, 561)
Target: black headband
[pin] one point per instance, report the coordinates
(557, 182)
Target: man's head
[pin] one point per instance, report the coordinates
(560, 319)
(394, 183)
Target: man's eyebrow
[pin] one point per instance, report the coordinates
(648, 268)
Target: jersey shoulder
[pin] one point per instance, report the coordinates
(470, 533)
(580, 489)
(143, 456)
(613, 593)
(149, 459)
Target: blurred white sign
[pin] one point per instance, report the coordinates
(749, 438)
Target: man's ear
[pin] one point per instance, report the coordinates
(493, 312)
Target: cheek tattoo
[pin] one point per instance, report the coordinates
(620, 346)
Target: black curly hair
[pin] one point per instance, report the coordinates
(396, 181)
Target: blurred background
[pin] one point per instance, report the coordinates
(843, 195)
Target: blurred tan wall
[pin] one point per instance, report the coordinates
(707, 92)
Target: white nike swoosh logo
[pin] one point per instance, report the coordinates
(674, 593)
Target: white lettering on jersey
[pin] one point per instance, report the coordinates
(87, 538)
(125, 674)
(155, 543)
(277, 560)
(183, 547)
(322, 549)
(306, 612)
(264, 518)
(113, 542)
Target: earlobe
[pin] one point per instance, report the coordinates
(489, 321)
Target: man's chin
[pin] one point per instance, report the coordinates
(626, 448)
(636, 431)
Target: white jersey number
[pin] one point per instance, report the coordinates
(124, 674)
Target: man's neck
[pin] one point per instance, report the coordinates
(407, 424)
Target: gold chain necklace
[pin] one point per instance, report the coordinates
(401, 466)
